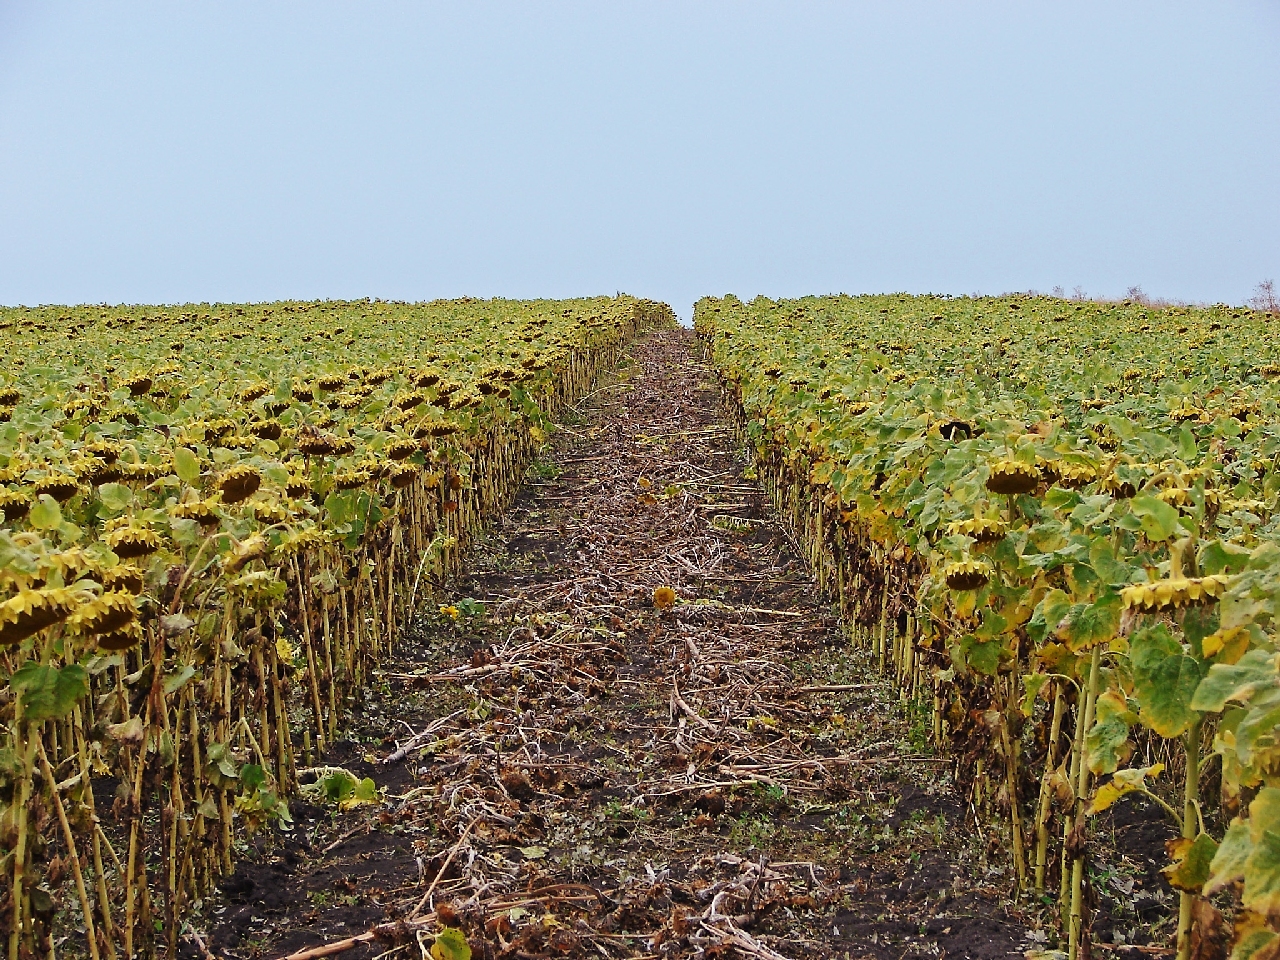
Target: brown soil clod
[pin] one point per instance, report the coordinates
(575, 771)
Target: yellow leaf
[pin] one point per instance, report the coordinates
(451, 944)
(1123, 782)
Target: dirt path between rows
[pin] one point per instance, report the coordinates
(579, 773)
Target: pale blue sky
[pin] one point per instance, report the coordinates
(253, 151)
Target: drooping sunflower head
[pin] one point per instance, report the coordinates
(30, 611)
(129, 541)
(966, 574)
(106, 614)
(203, 512)
(1012, 477)
(1174, 593)
(239, 483)
(61, 486)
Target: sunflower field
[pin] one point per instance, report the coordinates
(216, 520)
(1054, 522)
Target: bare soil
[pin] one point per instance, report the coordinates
(589, 775)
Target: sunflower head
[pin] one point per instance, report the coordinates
(62, 487)
(123, 577)
(138, 386)
(402, 474)
(106, 614)
(130, 635)
(239, 483)
(664, 598)
(981, 529)
(14, 504)
(1174, 593)
(267, 429)
(30, 611)
(203, 512)
(967, 574)
(1013, 477)
(401, 448)
(130, 541)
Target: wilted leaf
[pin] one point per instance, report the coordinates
(48, 692)
(1122, 783)
(1190, 869)
(451, 944)
(1107, 744)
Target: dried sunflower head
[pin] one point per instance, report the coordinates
(203, 512)
(981, 529)
(253, 392)
(401, 448)
(967, 574)
(254, 547)
(1073, 476)
(1117, 488)
(130, 635)
(138, 385)
(30, 611)
(130, 541)
(410, 399)
(267, 429)
(122, 577)
(351, 479)
(239, 483)
(62, 487)
(1169, 594)
(297, 486)
(108, 613)
(14, 504)
(1012, 477)
(402, 474)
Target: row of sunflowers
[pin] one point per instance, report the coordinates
(216, 520)
(1054, 523)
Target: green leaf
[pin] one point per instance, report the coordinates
(1159, 520)
(1235, 681)
(1107, 743)
(1219, 557)
(1191, 867)
(981, 657)
(1032, 684)
(1088, 624)
(115, 497)
(48, 692)
(252, 776)
(175, 681)
(45, 514)
(186, 465)
(451, 944)
(1164, 680)
(1262, 874)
